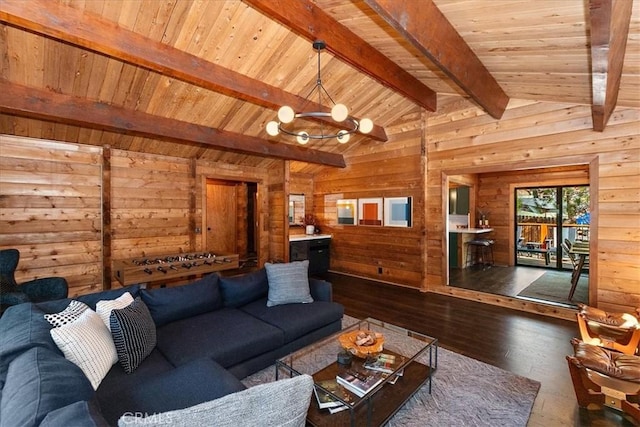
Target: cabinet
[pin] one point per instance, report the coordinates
(315, 250)
(459, 200)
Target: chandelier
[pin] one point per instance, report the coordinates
(339, 113)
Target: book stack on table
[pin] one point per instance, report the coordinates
(360, 382)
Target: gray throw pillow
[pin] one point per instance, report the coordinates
(288, 283)
(280, 403)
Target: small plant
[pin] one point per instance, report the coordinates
(309, 219)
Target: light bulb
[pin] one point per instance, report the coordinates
(302, 138)
(366, 126)
(343, 137)
(339, 112)
(272, 128)
(286, 114)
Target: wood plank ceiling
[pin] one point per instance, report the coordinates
(202, 78)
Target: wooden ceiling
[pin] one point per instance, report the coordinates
(202, 78)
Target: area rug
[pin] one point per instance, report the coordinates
(465, 392)
(555, 285)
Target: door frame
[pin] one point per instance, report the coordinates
(261, 211)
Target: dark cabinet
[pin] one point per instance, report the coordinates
(459, 200)
(315, 250)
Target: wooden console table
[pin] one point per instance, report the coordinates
(168, 267)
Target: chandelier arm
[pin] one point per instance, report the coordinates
(320, 114)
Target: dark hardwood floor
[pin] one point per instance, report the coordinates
(526, 344)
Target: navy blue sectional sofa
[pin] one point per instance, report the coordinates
(210, 334)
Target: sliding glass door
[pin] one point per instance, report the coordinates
(545, 218)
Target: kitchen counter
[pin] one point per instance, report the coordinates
(299, 237)
(471, 230)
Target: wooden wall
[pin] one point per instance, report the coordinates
(278, 221)
(532, 135)
(392, 169)
(50, 210)
(55, 208)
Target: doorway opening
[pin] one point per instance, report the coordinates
(230, 216)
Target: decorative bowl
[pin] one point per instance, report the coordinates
(362, 343)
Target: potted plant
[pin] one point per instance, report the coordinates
(309, 222)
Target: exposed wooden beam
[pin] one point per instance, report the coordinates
(41, 104)
(429, 31)
(609, 32)
(97, 34)
(308, 20)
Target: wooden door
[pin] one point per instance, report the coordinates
(222, 230)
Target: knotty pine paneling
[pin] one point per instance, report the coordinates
(50, 210)
(277, 214)
(157, 228)
(528, 139)
(392, 169)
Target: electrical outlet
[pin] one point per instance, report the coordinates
(197, 230)
(379, 270)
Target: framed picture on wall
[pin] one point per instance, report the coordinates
(347, 211)
(370, 211)
(397, 211)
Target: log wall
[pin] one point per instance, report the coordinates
(392, 169)
(531, 136)
(50, 210)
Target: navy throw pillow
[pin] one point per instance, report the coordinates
(245, 288)
(167, 305)
(134, 334)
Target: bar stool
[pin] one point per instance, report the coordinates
(480, 251)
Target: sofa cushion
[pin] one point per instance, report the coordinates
(288, 283)
(228, 336)
(87, 342)
(296, 320)
(21, 328)
(92, 299)
(134, 334)
(281, 403)
(81, 413)
(117, 379)
(242, 289)
(68, 315)
(104, 307)
(199, 381)
(40, 381)
(169, 304)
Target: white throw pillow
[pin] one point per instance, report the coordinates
(104, 307)
(87, 342)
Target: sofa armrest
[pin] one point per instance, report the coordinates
(321, 290)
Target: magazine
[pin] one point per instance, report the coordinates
(384, 363)
(325, 400)
(360, 383)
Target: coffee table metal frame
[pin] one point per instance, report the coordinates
(320, 361)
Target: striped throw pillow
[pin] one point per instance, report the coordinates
(134, 334)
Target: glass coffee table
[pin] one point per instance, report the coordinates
(415, 359)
